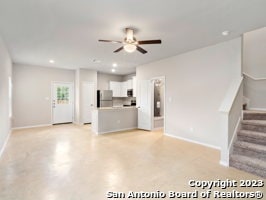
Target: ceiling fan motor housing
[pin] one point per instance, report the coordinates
(129, 34)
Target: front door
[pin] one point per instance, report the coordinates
(62, 102)
(88, 98)
(144, 105)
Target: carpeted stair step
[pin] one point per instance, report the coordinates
(251, 165)
(254, 125)
(250, 149)
(254, 115)
(252, 137)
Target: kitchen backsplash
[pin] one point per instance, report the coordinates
(118, 101)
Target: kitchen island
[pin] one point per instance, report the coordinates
(113, 119)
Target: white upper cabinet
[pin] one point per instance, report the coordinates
(120, 88)
(130, 84)
(116, 88)
(124, 87)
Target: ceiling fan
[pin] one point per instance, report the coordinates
(130, 43)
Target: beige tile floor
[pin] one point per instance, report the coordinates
(69, 162)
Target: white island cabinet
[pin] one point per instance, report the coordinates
(107, 120)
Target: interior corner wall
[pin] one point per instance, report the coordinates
(84, 75)
(255, 93)
(5, 102)
(77, 97)
(104, 80)
(128, 77)
(32, 93)
(254, 65)
(195, 85)
(254, 53)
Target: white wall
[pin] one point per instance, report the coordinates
(254, 62)
(83, 75)
(127, 77)
(32, 93)
(77, 97)
(254, 53)
(195, 85)
(5, 73)
(104, 80)
(255, 92)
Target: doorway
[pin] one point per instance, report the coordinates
(62, 102)
(144, 100)
(158, 101)
(151, 104)
(88, 98)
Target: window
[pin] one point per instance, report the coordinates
(62, 95)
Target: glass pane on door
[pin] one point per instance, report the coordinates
(62, 95)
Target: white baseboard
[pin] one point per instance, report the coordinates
(226, 164)
(117, 130)
(262, 109)
(35, 126)
(193, 141)
(5, 143)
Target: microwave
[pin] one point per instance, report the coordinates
(130, 93)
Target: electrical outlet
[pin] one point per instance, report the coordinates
(191, 129)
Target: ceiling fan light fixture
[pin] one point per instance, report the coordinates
(131, 44)
(130, 48)
(226, 33)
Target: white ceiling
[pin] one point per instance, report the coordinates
(36, 31)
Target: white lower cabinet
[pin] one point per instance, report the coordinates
(107, 120)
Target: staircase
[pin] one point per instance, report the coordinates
(249, 151)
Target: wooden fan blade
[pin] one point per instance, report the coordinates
(141, 50)
(119, 49)
(113, 41)
(150, 42)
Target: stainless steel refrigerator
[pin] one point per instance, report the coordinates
(104, 98)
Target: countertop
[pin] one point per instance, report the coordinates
(116, 108)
